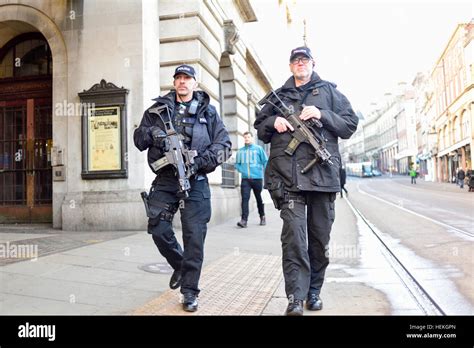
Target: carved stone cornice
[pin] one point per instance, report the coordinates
(246, 11)
(103, 87)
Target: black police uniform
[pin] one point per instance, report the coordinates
(304, 263)
(203, 131)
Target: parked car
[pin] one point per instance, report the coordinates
(376, 172)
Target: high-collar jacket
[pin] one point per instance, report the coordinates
(339, 121)
(210, 138)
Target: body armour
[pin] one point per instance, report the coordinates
(184, 121)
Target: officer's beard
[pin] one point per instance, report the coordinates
(302, 76)
(184, 96)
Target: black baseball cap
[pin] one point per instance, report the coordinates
(301, 50)
(185, 69)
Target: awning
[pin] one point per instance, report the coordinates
(405, 153)
(424, 156)
(454, 147)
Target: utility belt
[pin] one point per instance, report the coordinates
(280, 195)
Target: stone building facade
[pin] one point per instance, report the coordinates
(56, 56)
(453, 81)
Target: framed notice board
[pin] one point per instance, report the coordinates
(104, 131)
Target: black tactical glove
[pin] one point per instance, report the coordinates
(198, 164)
(159, 138)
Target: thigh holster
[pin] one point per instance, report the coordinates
(280, 195)
(163, 211)
(277, 193)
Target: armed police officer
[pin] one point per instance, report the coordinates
(201, 130)
(295, 185)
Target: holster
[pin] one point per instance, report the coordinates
(277, 193)
(157, 210)
(280, 195)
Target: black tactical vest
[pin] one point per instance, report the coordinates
(184, 121)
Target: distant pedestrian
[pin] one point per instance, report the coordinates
(342, 176)
(470, 180)
(413, 175)
(250, 161)
(461, 175)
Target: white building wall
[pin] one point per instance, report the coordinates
(135, 44)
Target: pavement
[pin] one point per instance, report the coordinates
(103, 273)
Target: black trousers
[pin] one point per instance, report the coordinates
(195, 214)
(246, 187)
(343, 189)
(305, 241)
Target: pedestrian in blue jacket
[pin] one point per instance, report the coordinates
(251, 161)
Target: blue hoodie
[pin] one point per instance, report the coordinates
(251, 161)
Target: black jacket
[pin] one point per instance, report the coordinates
(210, 138)
(339, 121)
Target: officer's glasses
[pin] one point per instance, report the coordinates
(304, 60)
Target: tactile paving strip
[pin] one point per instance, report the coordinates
(237, 284)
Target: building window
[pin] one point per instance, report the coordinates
(453, 92)
(25, 55)
(466, 127)
(445, 136)
(228, 175)
(457, 129)
(227, 98)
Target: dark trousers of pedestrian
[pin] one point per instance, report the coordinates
(248, 185)
(195, 214)
(305, 241)
(343, 189)
(461, 183)
(413, 180)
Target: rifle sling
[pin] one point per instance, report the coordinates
(294, 143)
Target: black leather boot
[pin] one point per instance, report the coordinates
(242, 223)
(314, 302)
(295, 307)
(190, 302)
(175, 281)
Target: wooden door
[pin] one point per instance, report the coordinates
(25, 160)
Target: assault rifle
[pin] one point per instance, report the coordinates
(181, 158)
(304, 131)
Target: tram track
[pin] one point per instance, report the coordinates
(419, 293)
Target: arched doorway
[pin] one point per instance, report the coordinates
(26, 129)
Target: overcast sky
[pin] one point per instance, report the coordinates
(367, 47)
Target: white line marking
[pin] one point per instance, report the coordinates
(454, 229)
